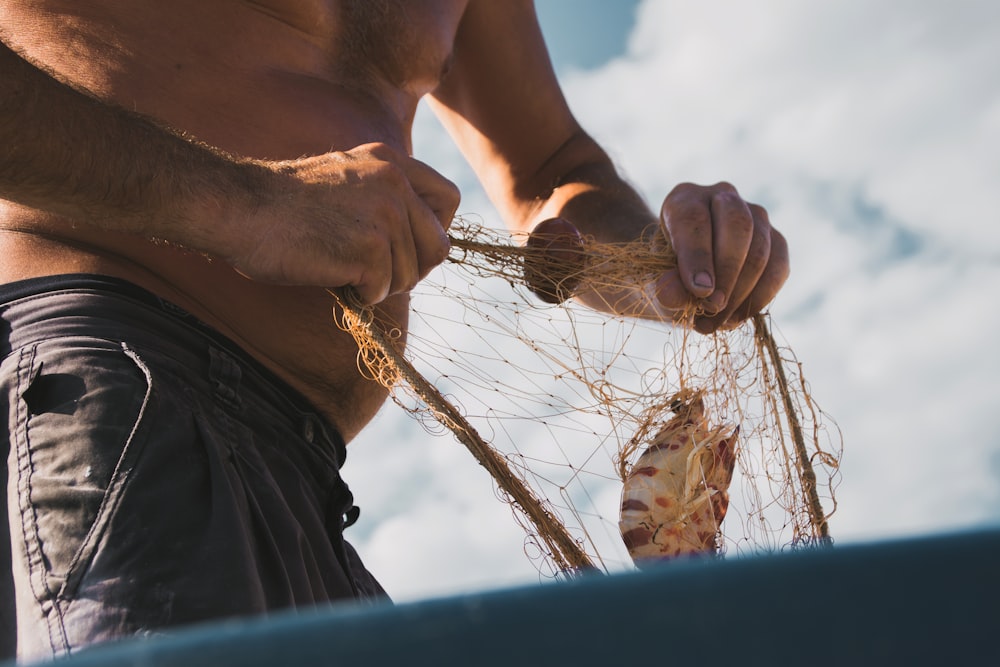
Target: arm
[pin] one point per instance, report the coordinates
(502, 104)
(292, 222)
(74, 156)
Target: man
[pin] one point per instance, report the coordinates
(181, 182)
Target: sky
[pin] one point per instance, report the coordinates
(870, 129)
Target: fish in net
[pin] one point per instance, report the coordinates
(566, 406)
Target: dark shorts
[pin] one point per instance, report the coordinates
(156, 476)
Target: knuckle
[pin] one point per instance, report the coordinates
(377, 149)
(725, 187)
(683, 191)
(390, 173)
(759, 213)
(732, 201)
(727, 195)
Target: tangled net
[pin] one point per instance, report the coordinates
(557, 401)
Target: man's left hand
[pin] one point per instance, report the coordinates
(730, 261)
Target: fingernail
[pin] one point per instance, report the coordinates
(703, 279)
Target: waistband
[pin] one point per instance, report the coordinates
(84, 304)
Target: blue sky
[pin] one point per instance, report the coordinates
(585, 34)
(871, 131)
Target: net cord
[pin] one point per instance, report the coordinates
(817, 517)
(567, 553)
(487, 252)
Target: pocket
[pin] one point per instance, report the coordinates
(76, 431)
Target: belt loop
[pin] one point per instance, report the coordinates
(225, 374)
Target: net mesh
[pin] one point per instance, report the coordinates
(558, 401)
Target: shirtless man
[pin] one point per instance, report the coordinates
(180, 182)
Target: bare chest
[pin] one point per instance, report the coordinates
(405, 44)
(265, 78)
(408, 43)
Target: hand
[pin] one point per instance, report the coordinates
(730, 261)
(371, 218)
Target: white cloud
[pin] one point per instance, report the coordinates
(872, 132)
(887, 94)
(443, 530)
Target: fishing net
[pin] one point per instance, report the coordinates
(565, 405)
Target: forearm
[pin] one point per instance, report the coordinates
(74, 156)
(588, 192)
(503, 105)
(597, 200)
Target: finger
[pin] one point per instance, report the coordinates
(768, 284)
(440, 195)
(388, 255)
(430, 244)
(419, 240)
(687, 218)
(771, 280)
(732, 236)
(671, 293)
(375, 282)
(754, 262)
(431, 213)
(673, 299)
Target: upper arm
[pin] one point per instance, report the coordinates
(502, 104)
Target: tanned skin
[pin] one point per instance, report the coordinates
(240, 157)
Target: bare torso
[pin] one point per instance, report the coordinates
(275, 79)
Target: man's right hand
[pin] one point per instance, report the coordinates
(370, 218)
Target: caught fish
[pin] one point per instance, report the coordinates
(676, 495)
